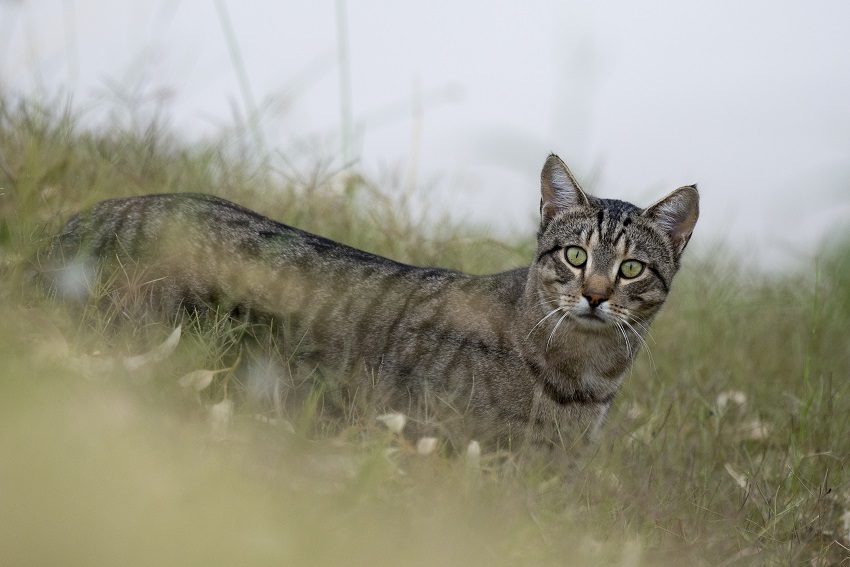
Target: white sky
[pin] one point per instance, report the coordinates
(750, 99)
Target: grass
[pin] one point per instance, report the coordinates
(728, 446)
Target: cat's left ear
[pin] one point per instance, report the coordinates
(677, 214)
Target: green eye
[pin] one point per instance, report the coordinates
(576, 256)
(631, 268)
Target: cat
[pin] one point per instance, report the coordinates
(534, 355)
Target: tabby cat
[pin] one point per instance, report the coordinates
(536, 354)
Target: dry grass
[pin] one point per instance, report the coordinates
(729, 445)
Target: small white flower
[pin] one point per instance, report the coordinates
(426, 445)
(739, 478)
(219, 416)
(395, 422)
(158, 354)
(737, 397)
(198, 380)
(473, 453)
(75, 281)
(754, 430)
(635, 411)
(276, 422)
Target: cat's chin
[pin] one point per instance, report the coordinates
(590, 322)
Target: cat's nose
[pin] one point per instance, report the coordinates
(595, 298)
(597, 289)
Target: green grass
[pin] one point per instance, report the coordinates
(103, 465)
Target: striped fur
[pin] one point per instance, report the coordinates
(509, 356)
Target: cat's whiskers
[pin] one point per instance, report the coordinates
(561, 320)
(625, 338)
(648, 350)
(625, 315)
(643, 325)
(645, 343)
(631, 327)
(540, 322)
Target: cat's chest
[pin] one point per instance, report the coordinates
(580, 387)
(576, 408)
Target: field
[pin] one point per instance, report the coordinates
(730, 443)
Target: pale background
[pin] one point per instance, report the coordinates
(465, 99)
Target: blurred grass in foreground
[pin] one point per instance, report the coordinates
(728, 445)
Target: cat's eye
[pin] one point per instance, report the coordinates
(575, 256)
(631, 268)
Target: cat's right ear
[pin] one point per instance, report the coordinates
(676, 214)
(559, 189)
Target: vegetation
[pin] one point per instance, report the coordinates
(729, 445)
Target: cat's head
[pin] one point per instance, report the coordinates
(604, 262)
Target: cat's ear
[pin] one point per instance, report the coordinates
(559, 189)
(676, 214)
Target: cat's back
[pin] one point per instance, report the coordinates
(207, 246)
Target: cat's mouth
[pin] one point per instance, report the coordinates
(591, 318)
